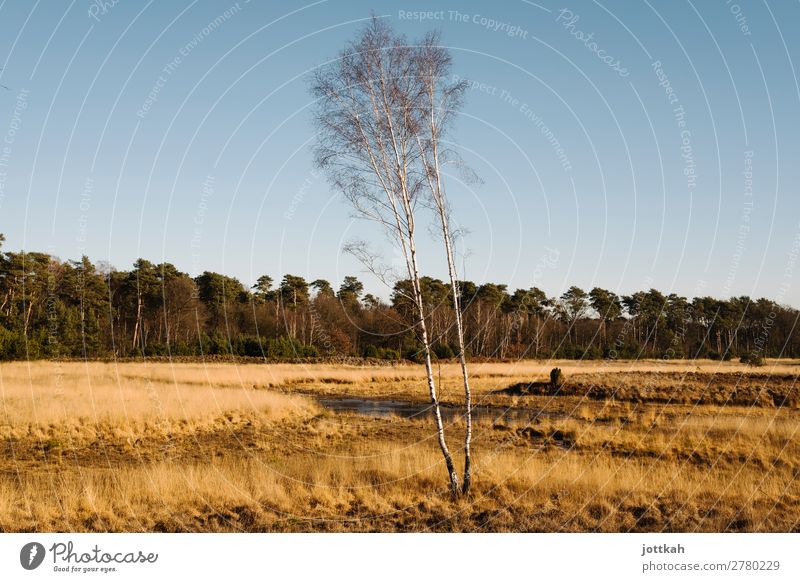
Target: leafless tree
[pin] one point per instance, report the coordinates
(373, 111)
(442, 102)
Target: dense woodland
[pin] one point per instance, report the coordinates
(59, 309)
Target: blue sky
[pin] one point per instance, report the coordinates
(625, 145)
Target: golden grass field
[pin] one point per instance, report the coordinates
(627, 446)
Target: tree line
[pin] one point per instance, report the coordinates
(53, 308)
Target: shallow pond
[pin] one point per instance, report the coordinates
(387, 408)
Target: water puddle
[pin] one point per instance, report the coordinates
(398, 408)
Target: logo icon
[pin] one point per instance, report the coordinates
(31, 555)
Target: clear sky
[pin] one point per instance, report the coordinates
(622, 144)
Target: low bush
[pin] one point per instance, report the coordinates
(753, 359)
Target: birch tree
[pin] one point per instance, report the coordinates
(372, 110)
(442, 100)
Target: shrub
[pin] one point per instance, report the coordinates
(752, 359)
(443, 351)
(388, 354)
(253, 347)
(568, 352)
(182, 349)
(412, 351)
(156, 349)
(215, 345)
(287, 348)
(592, 353)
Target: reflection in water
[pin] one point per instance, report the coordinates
(386, 408)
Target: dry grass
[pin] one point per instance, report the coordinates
(47, 399)
(216, 448)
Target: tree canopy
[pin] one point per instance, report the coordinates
(54, 308)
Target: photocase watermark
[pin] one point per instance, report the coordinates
(169, 69)
(195, 243)
(527, 111)
(627, 326)
(99, 8)
(679, 114)
(51, 308)
(421, 15)
(675, 349)
(491, 24)
(66, 558)
(568, 20)
(31, 555)
(739, 16)
(548, 134)
(320, 335)
(161, 420)
(14, 125)
(786, 284)
(300, 195)
(479, 86)
(84, 205)
(549, 261)
(744, 227)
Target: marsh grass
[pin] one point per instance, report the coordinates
(47, 399)
(143, 447)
